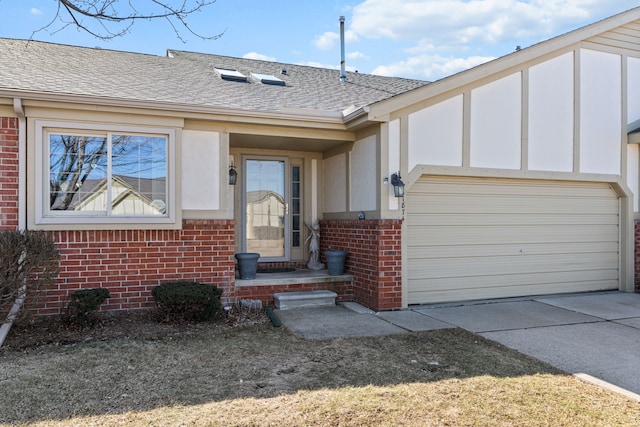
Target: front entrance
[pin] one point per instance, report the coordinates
(266, 207)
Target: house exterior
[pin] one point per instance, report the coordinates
(521, 175)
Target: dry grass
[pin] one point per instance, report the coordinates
(261, 376)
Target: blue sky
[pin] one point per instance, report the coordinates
(421, 39)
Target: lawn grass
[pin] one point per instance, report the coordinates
(268, 376)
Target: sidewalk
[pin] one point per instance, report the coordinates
(591, 335)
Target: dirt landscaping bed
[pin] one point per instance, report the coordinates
(136, 324)
(242, 371)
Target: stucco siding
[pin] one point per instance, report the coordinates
(551, 99)
(363, 175)
(496, 124)
(633, 89)
(600, 112)
(200, 170)
(335, 178)
(435, 134)
(394, 159)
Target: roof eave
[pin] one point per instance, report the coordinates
(230, 114)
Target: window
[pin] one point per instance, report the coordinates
(296, 199)
(105, 174)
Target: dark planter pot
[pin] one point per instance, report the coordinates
(247, 265)
(335, 262)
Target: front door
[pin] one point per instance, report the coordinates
(265, 207)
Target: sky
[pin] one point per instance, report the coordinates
(418, 39)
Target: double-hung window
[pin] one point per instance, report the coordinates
(104, 174)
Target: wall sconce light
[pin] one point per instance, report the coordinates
(398, 185)
(233, 175)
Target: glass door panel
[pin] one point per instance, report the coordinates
(266, 208)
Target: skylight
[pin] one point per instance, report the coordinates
(268, 79)
(232, 75)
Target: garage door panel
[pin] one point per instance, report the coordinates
(489, 187)
(445, 236)
(506, 280)
(476, 219)
(461, 251)
(510, 205)
(495, 266)
(512, 291)
(474, 238)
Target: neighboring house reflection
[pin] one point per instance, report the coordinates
(130, 196)
(265, 222)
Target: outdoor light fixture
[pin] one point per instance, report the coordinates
(398, 185)
(233, 175)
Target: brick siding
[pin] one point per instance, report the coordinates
(636, 227)
(8, 173)
(131, 262)
(374, 259)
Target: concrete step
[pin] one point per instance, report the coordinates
(287, 300)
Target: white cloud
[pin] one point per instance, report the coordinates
(356, 55)
(442, 37)
(460, 21)
(430, 67)
(329, 40)
(326, 41)
(35, 11)
(259, 56)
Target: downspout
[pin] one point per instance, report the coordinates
(22, 163)
(343, 74)
(22, 217)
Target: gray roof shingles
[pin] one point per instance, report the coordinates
(185, 78)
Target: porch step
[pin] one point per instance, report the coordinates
(287, 300)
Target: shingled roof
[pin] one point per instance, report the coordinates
(185, 78)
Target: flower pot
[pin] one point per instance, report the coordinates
(247, 265)
(335, 261)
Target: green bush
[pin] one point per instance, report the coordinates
(82, 308)
(29, 262)
(189, 301)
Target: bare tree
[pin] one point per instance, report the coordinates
(108, 19)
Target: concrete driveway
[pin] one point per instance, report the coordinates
(593, 335)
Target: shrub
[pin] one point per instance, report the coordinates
(29, 262)
(189, 301)
(82, 308)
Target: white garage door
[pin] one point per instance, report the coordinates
(473, 238)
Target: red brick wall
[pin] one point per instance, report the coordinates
(636, 226)
(265, 293)
(8, 173)
(131, 262)
(375, 258)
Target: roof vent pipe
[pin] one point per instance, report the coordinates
(343, 75)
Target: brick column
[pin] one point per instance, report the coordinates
(8, 173)
(636, 227)
(375, 258)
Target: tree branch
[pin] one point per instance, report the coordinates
(86, 15)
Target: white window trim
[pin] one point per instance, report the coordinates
(42, 179)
